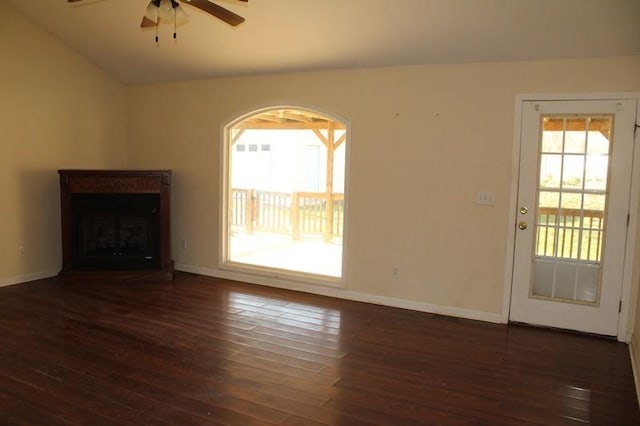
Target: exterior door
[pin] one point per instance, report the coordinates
(572, 218)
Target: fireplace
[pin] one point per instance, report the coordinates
(115, 224)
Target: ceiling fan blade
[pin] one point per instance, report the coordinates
(146, 22)
(87, 2)
(219, 12)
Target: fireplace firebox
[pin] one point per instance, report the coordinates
(115, 224)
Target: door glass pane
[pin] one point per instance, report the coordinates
(550, 170)
(576, 136)
(573, 171)
(552, 140)
(570, 226)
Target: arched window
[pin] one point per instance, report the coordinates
(284, 193)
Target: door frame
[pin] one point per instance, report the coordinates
(631, 270)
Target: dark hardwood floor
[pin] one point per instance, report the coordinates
(208, 351)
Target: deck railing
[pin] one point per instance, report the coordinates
(297, 213)
(570, 233)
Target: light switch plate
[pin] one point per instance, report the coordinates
(486, 199)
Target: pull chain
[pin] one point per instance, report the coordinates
(174, 6)
(157, 24)
(175, 34)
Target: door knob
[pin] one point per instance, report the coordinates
(522, 225)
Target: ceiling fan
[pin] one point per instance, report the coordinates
(170, 11)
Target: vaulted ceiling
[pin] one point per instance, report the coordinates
(300, 35)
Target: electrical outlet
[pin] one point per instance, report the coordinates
(21, 252)
(396, 272)
(185, 244)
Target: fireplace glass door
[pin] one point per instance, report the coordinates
(116, 231)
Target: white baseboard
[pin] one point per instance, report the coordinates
(635, 365)
(19, 279)
(341, 293)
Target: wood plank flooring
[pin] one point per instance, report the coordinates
(208, 351)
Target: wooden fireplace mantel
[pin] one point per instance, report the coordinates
(75, 183)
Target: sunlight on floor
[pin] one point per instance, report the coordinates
(312, 256)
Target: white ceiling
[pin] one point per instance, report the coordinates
(297, 35)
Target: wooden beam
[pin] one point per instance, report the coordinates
(320, 136)
(289, 115)
(263, 125)
(236, 132)
(579, 124)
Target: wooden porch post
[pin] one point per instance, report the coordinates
(251, 197)
(328, 231)
(295, 215)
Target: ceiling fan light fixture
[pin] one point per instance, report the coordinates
(181, 16)
(166, 12)
(151, 13)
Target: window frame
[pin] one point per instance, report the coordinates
(269, 275)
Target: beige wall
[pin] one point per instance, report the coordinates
(56, 111)
(425, 138)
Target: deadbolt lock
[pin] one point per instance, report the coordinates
(524, 209)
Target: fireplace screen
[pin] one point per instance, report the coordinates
(116, 231)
